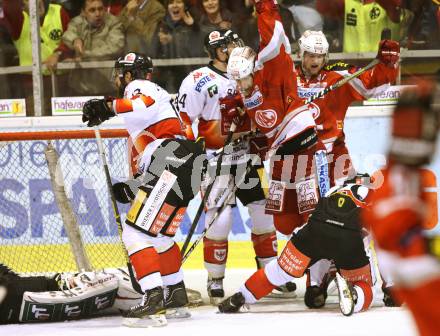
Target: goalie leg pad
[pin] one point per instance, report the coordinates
(90, 297)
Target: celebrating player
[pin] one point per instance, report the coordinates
(267, 83)
(203, 96)
(314, 75)
(400, 207)
(166, 160)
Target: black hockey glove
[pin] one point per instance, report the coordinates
(96, 111)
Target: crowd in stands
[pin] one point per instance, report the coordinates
(96, 30)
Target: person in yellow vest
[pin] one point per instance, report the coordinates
(364, 21)
(53, 22)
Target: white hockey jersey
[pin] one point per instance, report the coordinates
(149, 116)
(198, 99)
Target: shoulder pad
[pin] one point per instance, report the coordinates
(338, 66)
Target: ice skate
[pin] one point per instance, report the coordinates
(347, 297)
(176, 301)
(215, 291)
(150, 312)
(232, 304)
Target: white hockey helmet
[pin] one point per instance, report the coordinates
(241, 62)
(313, 42)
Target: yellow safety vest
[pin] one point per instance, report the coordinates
(363, 25)
(50, 32)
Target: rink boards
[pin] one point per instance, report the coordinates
(366, 130)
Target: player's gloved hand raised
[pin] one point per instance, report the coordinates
(389, 53)
(96, 111)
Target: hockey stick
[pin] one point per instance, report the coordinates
(252, 162)
(385, 35)
(101, 151)
(341, 82)
(208, 191)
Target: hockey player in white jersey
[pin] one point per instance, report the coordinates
(201, 95)
(165, 158)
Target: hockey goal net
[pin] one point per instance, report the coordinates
(33, 237)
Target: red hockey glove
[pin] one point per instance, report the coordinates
(389, 53)
(259, 145)
(232, 111)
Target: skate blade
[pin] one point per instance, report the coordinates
(215, 301)
(345, 298)
(178, 313)
(282, 295)
(149, 321)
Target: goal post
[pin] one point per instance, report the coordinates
(33, 238)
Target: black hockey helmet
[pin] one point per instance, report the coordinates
(220, 38)
(137, 64)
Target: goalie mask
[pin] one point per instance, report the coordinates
(130, 67)
(221, 38)
(415, 125)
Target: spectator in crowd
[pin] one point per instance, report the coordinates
(73, 7)
(424, 31)
(214, 16)
(177, 36)
(8, 56)
(140, 19)
(53, 23)
(95, 35)
(364, 21)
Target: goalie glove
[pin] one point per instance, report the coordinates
(96, 111)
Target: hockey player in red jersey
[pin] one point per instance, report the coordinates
(399, 207)
(267, 83)
(314, 75)
(171, 173)
(202, 97)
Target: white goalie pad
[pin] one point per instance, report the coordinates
(82, 295)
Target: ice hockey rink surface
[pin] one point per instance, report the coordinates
(289, 317)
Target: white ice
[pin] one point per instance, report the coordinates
(281, 317)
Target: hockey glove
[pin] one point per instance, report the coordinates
(232, 111)
(259, 145)
(96, 111)
(389, 53)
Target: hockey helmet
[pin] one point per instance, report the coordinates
(415, 125)
(241, 62)
(221, 38)
(135, 63)
(313, 42)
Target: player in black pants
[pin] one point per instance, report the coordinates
(333, 232)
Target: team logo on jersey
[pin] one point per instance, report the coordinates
(220, 254)
(314, 110)
(266, 118)
(213, 90)
(197, 75)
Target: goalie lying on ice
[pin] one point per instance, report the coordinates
(67, 296)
